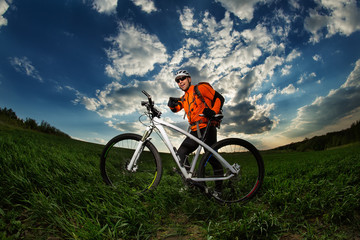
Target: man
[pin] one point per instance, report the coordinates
(198, 110)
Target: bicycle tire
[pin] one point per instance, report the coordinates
(116, 156)
(242, 187)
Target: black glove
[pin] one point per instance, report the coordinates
(173, 102)
(208, 113)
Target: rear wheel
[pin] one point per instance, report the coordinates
(116, 157)
(244, 157)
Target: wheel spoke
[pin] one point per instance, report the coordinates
(116, 157)
(244, 157)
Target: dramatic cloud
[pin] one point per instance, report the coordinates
(134, 52)
(229, 51)
(242, 9)
(105, 6)
(342, 102)
(24, 65)
(244, 117)
(117, 99)
(3, 8)
(249, 116)
(336, 16)
(230, 55)
(147, 6)
(237, 63)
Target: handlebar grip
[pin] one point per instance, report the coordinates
(146, 94)
(175, 99)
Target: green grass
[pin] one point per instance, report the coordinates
(51, 188)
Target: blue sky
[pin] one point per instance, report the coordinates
(288, 69)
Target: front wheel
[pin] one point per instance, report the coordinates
(242, 156)
(117, 155)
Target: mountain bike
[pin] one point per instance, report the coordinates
(133, 160)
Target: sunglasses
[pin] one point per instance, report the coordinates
(180, 79)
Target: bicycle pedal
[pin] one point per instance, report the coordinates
(216, 194)
(195, 184)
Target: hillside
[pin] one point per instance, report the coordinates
(9, 117)
(333, 139)
(52, 189)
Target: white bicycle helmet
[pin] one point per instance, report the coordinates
(182, 73)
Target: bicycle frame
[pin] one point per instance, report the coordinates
(157, 123)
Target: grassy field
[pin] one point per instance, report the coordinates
(51, 188)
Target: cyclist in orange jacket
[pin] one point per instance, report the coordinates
(191, 102)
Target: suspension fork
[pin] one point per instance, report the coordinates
(132, 166)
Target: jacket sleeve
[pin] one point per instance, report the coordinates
(218, 102)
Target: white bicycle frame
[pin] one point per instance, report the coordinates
(157, 123)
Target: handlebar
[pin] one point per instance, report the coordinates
(153, 112)
(146, 94)
(150, 105)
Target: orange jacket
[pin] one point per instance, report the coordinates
(193, 105)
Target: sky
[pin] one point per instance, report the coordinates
(288, 69)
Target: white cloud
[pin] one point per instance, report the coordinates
(343, 102)
(187, 20)
(306, 76)
(25, 66)
(294, 4)
(290, 89)
(286, 70)
(3, 8)
(242, 9)
(336, 16)
(260, 37)
(134, 52)
(105, 6)
(354, 78)
(317, 58)
(147, 6)
(294, 54)
(281, 23)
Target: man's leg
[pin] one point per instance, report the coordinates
(187, 147)
(218, 170)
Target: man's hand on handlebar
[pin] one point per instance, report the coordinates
(173, 102)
